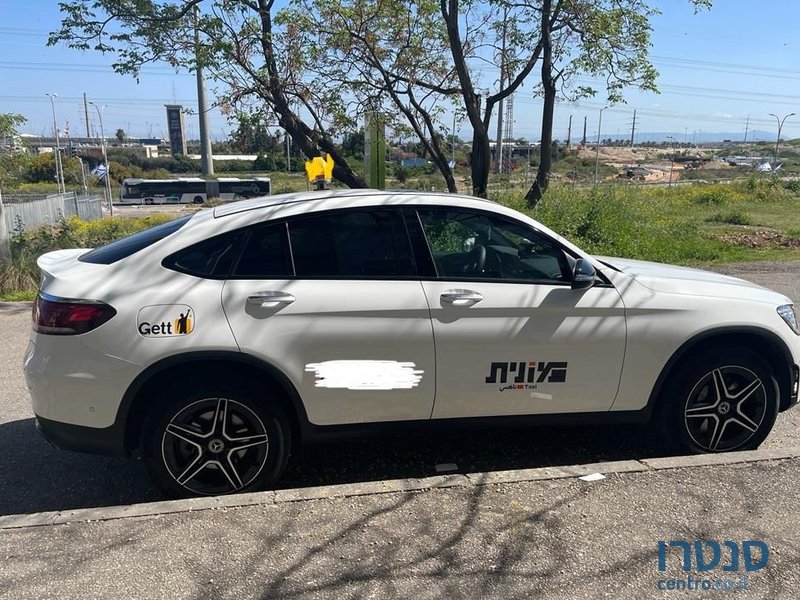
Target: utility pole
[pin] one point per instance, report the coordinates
(778, 141)
(206, 157)
(105, 158)
(597, 150)
(86, 114)
(746, 127)
(633, 127)
(569, 136)
(59, 166)
(583, 141)
(498, 151)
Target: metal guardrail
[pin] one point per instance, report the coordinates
(26, 211)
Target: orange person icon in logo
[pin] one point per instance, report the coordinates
(183, 324)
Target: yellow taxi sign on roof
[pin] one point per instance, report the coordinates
(320, 170)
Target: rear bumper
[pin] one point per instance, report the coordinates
(65, 436)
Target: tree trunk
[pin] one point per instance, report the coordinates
(480, 161)
(539, 187)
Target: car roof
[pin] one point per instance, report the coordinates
(355, 196)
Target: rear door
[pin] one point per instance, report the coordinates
(334, 302)
(512, 337)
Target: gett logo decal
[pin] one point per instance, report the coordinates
(165, 320)
(526, 375)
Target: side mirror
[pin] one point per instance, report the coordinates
(583, 275)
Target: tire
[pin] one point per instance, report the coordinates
(198, 200)
(720, 400)
(212, 438)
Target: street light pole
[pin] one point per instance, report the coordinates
(778, 141)
(597, 149)
(105, 158)
(59, 167)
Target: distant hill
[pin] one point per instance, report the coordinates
(755, 135)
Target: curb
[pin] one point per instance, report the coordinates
(150, 509)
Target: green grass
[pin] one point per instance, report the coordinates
(23, 296)
(689, 225)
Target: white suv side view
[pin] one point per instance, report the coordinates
(215, 344)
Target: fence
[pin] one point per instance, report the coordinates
(25, 211)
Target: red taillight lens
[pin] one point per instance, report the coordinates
(69, 317)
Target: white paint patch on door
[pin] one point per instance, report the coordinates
(366, 374)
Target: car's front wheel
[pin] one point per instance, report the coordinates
(719, 401)
(211, 438)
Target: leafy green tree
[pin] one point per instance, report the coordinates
(9, 123)
(10, 163)
(240, 46)
(417, 62)
(121, 135)
(252, 133)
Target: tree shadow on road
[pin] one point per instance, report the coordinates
(37, 477)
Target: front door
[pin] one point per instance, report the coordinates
(512, 337)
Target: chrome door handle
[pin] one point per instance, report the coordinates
(460, 297)
(271, 297)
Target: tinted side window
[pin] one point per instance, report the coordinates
(355, 243)
(111, 253)
(210, 258)
(265, 254)
(474, 245)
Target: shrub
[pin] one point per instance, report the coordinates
(733, 217)
(27, 245)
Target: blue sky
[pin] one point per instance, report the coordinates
(717, 67)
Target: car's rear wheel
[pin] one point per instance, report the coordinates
(719, 401)
(213, 438)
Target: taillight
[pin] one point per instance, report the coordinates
(69, 317)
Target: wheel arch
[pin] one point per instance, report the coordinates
(768, 344)
(142, 392)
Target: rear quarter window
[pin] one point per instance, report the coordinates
(115, 251)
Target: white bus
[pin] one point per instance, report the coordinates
(188, 190)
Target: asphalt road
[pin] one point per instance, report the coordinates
(537, 539)
(47, 479)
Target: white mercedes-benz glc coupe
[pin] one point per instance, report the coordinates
(216, 343)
